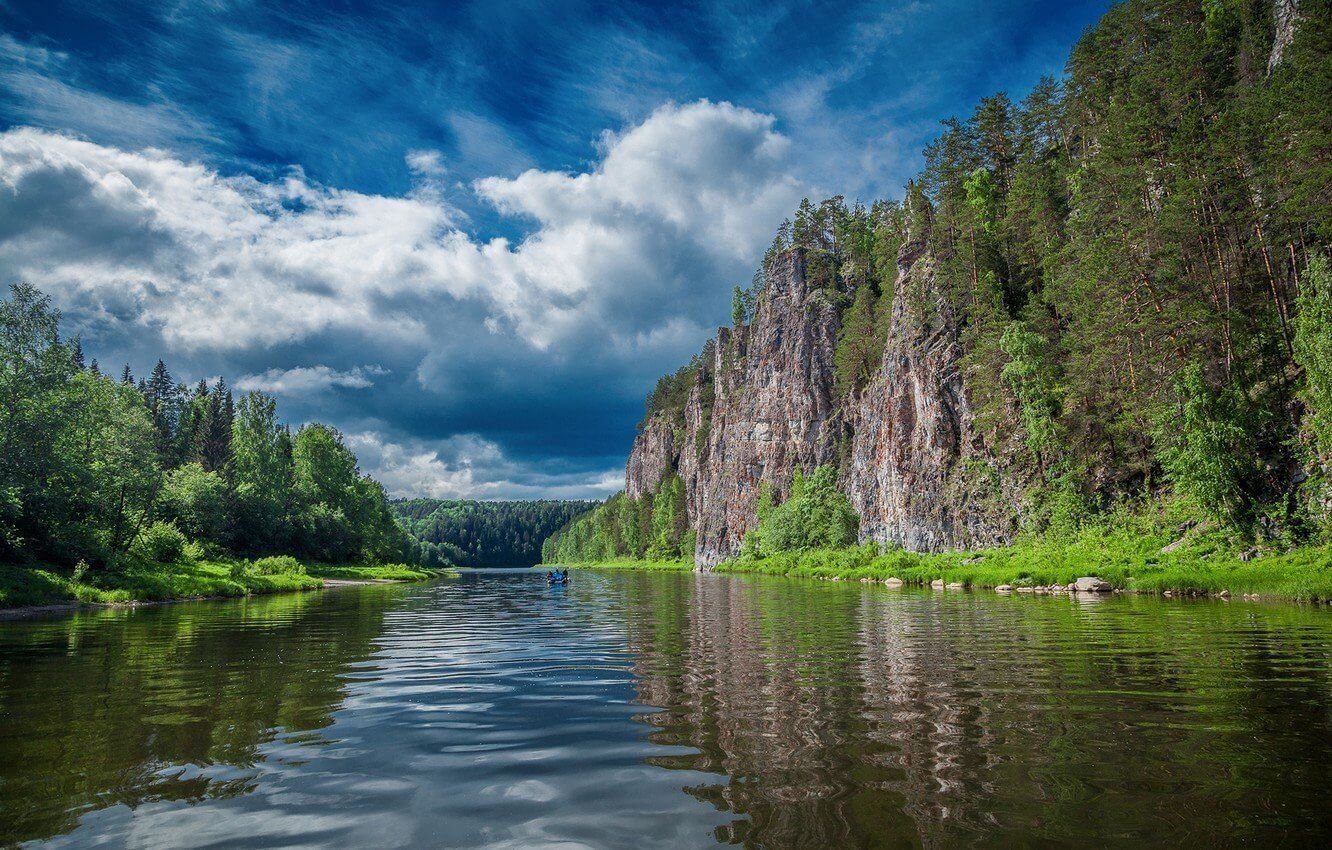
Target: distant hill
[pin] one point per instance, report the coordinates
(484, 534)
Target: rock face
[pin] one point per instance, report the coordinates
(652, 458)
(772, 409)
(917, 468)
(1285, 20)
(764, 404)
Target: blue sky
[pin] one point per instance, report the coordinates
(470, 235)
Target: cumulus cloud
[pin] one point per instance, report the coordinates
(232, 262)
(469, 466)
(304, 380)
(619, 269)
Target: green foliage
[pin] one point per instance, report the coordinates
(1313, 350)
(654, 527)
(196, 502)
(859, 344)
(1030, 374)
(484, 534)
(982, 196)
(277, 565)
(1206, 450)
(816, 516)
(670, 523)
(262, 470)
(161, 543)
(90, 466)
(739, 309)
(108, 473)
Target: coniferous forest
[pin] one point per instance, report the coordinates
(469, 533)
(1136, 256)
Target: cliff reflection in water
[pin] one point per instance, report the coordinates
(170, 703)
(860, 717)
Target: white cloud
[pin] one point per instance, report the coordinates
(469, 466)
(304, 380)
(679, 207)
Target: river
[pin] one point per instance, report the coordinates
(667, 710)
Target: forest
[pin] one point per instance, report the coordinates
(468, 533)
(1136, 254)
(100, 474)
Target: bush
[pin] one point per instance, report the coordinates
(816, 516)
(161, 542)
(277, 565)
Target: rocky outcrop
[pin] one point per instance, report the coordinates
(917, 472)
(1285, 21)
(764, 405)
(772, 409)
(653, 457)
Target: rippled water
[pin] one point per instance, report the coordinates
(667, 710)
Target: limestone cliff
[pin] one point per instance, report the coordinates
(766, 405)
(918, 474)
(773, 408)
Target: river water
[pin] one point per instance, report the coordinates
(667, 710)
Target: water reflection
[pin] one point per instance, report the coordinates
(168, 703)
(667, 710)
(862, 717)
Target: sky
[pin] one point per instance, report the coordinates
(469, 235)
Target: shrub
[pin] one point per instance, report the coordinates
(816, 516)
(161, 542)
(277, 565)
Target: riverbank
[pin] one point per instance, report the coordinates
(1196, 562)
(43, 586)
(627, 564)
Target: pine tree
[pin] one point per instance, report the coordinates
(76, 348)
(163, 396)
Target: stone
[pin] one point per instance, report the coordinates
(1004, 588)
(913, 435)
(938, 584)
(763, 404)
(893, 582)
(1174, 547)
(1026, 590)
(955, 585)
(1092, 584)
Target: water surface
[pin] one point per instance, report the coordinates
(667, 710)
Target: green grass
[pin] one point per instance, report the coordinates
(141, 581)
(383, 572)
(1126, 551)
(1126, 560)
(626, 564)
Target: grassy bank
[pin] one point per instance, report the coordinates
(142, 581)
(627, 564)
(1303, 574)
(1136, 556)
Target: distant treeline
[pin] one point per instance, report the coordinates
(484, 534)
(93, 466)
